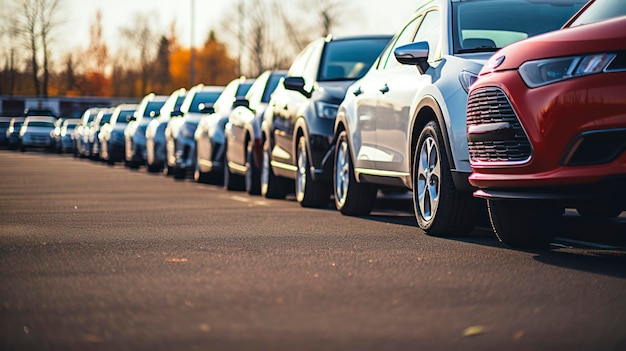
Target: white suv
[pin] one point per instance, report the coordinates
(403, 123)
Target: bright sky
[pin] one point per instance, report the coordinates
(372, 17)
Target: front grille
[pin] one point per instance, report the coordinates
(490, 106)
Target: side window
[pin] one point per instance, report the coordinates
(297, 68)
(406, 36)
(310, 70)
(430, 31)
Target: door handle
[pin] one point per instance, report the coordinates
(384, 89)
(357, 92)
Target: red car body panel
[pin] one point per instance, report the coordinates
(554, 115)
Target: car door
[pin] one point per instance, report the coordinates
(285, 105)
(401, 84)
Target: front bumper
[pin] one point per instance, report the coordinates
(566, 124)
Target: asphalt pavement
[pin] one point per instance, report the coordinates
(94, 257)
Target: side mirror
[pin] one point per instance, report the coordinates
(131, 118)
(240, 101)
(206, 108)
(155, 113)
(415, 54)
(296, 84)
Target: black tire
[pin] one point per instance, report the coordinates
(232, 181)
(309, 193)
(272, 186)
(351, 198)
(179, 173)
(599, 210)
(167, 170)
(523, 223)
(201, 177)
(440, 209)
(154, 168)
(253, 174)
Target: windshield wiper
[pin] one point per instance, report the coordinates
(480, 49)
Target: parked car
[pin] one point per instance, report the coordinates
(403, 123)
(210, 143)
(546, 127)
(13, 132)
(298, 125)
(112, 141)
(135, 133)
(81, 135)
(36, 132)
(179, 133)
(103, 117)
(244, 142)
(5, 122)
(63, 136)
(155, 132)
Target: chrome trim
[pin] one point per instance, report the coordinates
(238, 168)
(505, 163)
(381, 173)
(284, 166)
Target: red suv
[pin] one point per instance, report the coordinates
(546, 126)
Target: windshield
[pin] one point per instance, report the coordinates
(41, 124)
(122, 118)
(600, 10)
(105, 119)
(350, 59)
(271, 86)
(203, 97)
(489, 25)
(153, 106)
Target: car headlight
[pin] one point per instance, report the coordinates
(547, 71)
(326, 110)
(467, 79)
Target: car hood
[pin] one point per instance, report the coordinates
(333, 92)
(605, 36)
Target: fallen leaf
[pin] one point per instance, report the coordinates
(205, 327)
(176, 260)
(475, 330)
(519, 334)
(94, 339)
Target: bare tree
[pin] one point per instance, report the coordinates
(97, 50)
(29, 15)
(260, 37)
(10, 33)
(143, 41)
(47, 11)
(35, 20)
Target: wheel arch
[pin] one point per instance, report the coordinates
(428, 110)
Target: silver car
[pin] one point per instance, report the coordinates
(37, 132)
(403, 124)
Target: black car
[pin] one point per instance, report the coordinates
(298, 125)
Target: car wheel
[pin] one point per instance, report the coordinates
(201, 177)
(439, 208)
(167, 170)
(232, 181)
(351, 198)
(272, 186)
(309, 193)
(253, 174)
(179, 173)
(523, 223)
(153, 168)
(599, 210)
